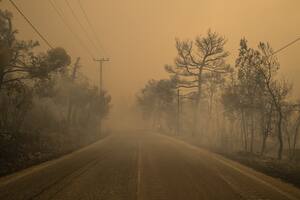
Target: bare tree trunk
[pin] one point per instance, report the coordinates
(296, 138)
(288, 139)
(263, 146)
(280, 139)
(244, 132)
(266, 128)
(195, 117)
(252, 133)
(197, 110)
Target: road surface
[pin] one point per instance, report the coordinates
(144, 166)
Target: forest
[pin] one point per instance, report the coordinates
(241, 107)
(47, 106)
(139, 99)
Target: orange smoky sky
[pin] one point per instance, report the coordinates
(138, 35)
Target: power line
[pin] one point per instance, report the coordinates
(32, 26)
(90, 25)
(80, 24)
(286, 46)
(59, 13)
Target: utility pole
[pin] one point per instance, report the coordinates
(101, 61)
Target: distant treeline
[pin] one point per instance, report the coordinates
(239, 107)
(47, 107)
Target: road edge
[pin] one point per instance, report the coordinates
(6, 179)
(287, 189)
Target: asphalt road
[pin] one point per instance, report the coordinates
(140, 165)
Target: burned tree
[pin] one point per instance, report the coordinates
(18, 61)
(196, 59)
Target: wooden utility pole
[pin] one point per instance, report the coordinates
(101, 61)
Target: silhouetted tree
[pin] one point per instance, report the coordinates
(18, 61)
(258, 92)
(158, 98)
(196, 58)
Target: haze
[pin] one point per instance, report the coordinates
(200, 99)
(139, 36)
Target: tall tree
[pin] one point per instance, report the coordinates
(206, 54)
(18, 62)
(257, 78)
